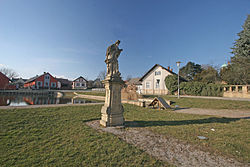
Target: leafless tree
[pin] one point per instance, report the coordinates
(102, 75)
(129, 77)
(10, 73)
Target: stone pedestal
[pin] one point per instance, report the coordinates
(112, 111)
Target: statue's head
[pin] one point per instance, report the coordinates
(117, 42)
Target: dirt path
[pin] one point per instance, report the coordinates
(216, 112)
(167, 149)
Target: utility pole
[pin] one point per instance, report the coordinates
(178, 65)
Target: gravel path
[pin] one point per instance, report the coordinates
(167, 149)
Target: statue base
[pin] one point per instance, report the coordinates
(112, 111)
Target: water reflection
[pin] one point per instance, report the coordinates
(38, 100)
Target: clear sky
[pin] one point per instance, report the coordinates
(69, 37)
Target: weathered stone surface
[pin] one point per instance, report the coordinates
(112, 111)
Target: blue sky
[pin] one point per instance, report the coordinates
(69, 37)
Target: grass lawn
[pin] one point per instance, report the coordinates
(206, 103)
(231, 135)
(193, 102)
(93, 93)
(59, 137)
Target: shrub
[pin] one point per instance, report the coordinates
(201, 89)
(171, 82)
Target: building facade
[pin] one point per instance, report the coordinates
(5, 82)
(79, 83)
(45, 81)
(153, 82)
(64, 84)
(18, 82)
(135, 82)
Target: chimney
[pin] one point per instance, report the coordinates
(171, 70)
(168, 68)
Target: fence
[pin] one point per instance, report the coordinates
(241, 91)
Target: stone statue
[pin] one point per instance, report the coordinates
(112, 111)
(112, 54)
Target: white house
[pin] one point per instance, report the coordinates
(79, 83)
(153, 82)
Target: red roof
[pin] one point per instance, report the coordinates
(3, 76)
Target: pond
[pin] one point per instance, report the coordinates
(24, 100)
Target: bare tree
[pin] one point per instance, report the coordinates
(129, 77)
(8, 72)
(102, 75)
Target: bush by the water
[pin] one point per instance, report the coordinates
(201, 89)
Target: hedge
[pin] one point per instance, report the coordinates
(201, 89)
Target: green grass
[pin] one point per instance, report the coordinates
(59, 137)
(68, 94)
(93, 93)
(205, 103)
(71, 95)
(230, 138)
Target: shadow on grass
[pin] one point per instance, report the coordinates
(89, 120)
(178, 108)
(182, 122)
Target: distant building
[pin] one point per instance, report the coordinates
(18, 82)
(135, 82)
(79, 83)
(44, 81)
(64, 84)
(5, 82)
(97, 83)
(153, 82)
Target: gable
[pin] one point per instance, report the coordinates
(41, 78)
(80, 79)
(160, 70)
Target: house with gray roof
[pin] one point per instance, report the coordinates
(153, 82)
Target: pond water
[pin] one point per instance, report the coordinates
(24, 100)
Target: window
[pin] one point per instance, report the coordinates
(147, 85)
(47, 77)
(39, 83)
(157, 84)
(157, 72)
(78, 84)
(53, 84)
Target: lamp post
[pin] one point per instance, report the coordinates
(178, 65)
